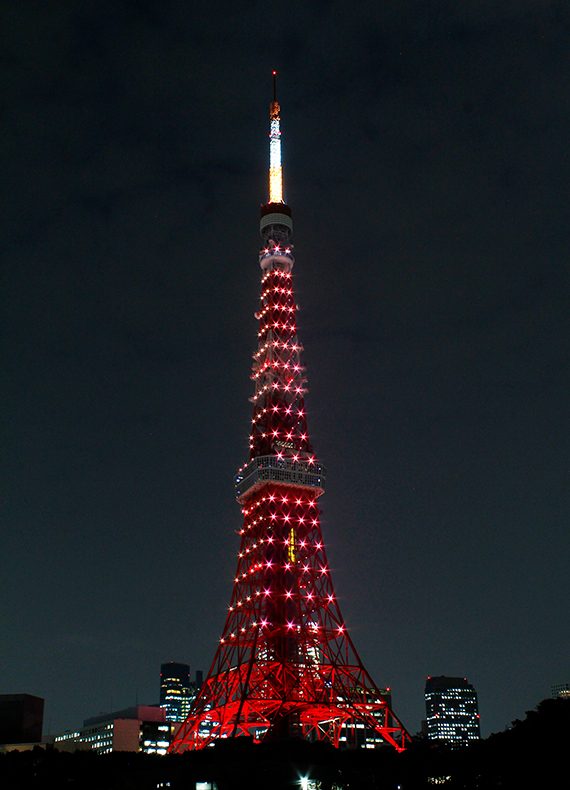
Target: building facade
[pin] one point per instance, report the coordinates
(21, 718)
(560, 690)
(452, 711)
(177, 691)
(142, 728)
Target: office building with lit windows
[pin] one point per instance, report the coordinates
(452, 711)
(139, 729)
(560, 690)
(356, 735)
(177, 691)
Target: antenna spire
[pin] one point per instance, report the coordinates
(276, 225)
(275, 169)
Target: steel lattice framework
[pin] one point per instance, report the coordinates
(285, 665)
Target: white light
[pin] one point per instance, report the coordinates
(275, 170)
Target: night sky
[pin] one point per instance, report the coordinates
(427, 163)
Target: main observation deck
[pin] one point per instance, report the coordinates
(279, 471)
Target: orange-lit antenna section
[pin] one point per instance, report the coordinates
(275, 168)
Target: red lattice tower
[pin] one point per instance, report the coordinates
(286, 665)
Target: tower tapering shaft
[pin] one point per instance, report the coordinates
(285, 665)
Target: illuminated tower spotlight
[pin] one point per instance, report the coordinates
(285, 666)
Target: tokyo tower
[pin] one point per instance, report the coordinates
(285, 666)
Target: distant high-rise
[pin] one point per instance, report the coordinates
(560, 690)
(177, 691)
(452, 711)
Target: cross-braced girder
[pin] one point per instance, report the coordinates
(279, 423)
(285, 664)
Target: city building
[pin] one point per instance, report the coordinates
(142, 728)
(21, 718)
(452, 712)
(357, 735)
(560, 690)
(177, 691)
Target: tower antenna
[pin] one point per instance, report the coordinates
(276, 224)
(275, 168)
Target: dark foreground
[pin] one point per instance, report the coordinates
(528, 755)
